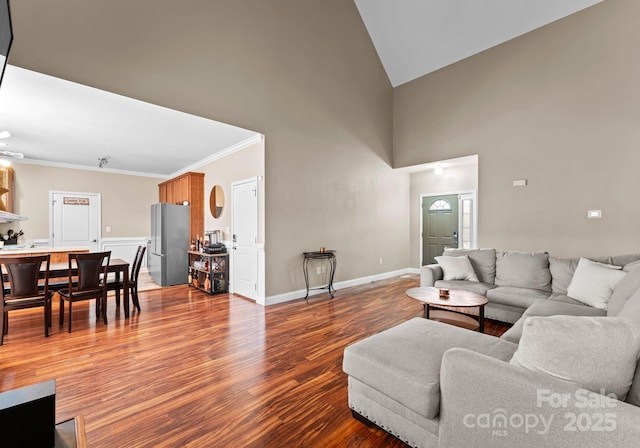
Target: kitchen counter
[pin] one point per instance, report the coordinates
(58, 254)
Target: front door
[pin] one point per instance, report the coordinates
(439, 225)
(244, 270)
(74, 219)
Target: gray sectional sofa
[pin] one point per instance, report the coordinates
(514, 281)
(565, 375)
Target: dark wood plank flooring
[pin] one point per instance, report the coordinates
(192, 370)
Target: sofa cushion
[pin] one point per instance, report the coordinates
(510, 295)
(623, 260)
(523, 270)
(403, 362)
(457, 268)
(593, 283)
(477, 287)
(562, 270)
(631, 311)
(625, 288)
(482, 260)
(566, 299)
(595, 353)
(548, 307)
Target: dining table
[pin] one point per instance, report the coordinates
(117, 266)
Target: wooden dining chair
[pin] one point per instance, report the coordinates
(133, 279)
(21, 288)
(91, 271)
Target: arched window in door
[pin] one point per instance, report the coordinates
(440, 204)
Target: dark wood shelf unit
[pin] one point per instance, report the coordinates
(217, 270)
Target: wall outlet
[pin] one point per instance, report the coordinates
(107, 229)
(318, 270)
(381, 261)
(324, 269)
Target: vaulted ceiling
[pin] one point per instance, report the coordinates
(53, 121)
(416, 37)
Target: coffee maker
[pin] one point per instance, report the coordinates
(214, 244)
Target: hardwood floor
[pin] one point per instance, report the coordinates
(192, 370)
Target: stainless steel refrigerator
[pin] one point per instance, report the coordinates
(167, 258)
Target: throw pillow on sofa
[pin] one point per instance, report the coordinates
(482, 260)
(457, 268)
(596, 353)
(593, 283)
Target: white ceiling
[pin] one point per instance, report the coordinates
(57, 122)
(416, 37)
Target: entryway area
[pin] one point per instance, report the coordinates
(443, 207)
(448, 221)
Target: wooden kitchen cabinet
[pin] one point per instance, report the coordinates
(6, 189)
(187, 187)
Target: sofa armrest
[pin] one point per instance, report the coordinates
(488, 402)
(429, 274)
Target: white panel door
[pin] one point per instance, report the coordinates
(74, 220)
(244, 271)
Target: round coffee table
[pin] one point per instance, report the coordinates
(458, 298)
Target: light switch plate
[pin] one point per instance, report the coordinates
(520, 183)
(594, 214)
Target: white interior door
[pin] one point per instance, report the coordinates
(74, 219)
(244, 269)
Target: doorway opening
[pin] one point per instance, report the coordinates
(447, 221)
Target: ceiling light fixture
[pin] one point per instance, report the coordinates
(5, 134)
(15, 155)
(102, 161)
(438, 171)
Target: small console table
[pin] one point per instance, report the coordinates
(329, 255)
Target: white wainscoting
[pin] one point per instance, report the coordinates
(124, 248)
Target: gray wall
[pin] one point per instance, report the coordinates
(126, 200)
(303, 73)
(558, 107)
(244, 164)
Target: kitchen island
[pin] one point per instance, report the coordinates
(58, 254)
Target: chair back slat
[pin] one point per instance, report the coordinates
(91, 269)
(137, 263)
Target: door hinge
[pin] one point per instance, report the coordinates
(255, 286)
(255, 192)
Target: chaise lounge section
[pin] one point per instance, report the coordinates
(565, 375)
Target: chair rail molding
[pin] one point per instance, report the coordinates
(125, 247)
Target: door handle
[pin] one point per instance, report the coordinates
(94, 241)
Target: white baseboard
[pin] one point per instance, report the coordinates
(294, 295)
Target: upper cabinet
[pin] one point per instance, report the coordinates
(188, 187)
(6, 189)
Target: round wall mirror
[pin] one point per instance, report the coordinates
(216, 201)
